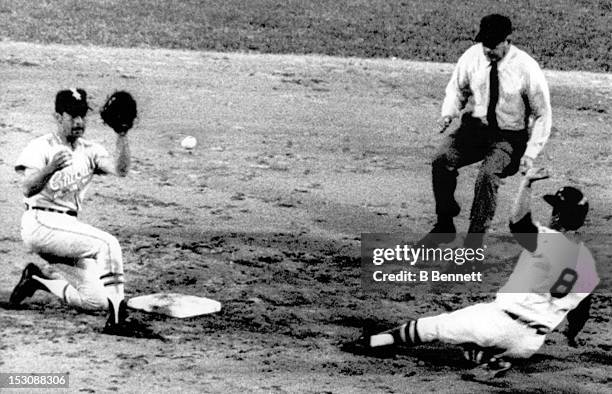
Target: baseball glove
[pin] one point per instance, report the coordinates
(119, 111)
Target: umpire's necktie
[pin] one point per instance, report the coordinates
(493, 95)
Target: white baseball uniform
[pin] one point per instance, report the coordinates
(545, 285)
(50, 228)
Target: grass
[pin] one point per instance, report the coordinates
(561, 34)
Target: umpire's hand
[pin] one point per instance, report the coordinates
(535, 174)
(526, 164)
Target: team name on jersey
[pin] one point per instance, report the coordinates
(71, 178)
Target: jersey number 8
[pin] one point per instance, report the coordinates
(564, 284)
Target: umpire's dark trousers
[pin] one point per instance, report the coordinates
(500, 152)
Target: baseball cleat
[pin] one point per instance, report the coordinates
(111, 321)
(127, 327)
(495, 368)
(27, 285)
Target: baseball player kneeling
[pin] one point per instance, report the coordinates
(553, 279)
(57, 169)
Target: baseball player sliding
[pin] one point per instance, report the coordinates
(57, 169)
(553, 279)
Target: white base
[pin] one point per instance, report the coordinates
(174, 304)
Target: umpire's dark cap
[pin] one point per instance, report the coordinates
(72, 101)
(494, 29)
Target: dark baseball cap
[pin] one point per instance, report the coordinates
(72, 101)
(567, 197)
(494, 29)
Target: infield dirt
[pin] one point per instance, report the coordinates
(296, 157)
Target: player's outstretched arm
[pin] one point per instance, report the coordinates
(522, 203)
(120, 164)
(119, 113)
(123, 156)
(521, 225)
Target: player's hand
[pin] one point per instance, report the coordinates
(536, 174)
(61, 160)
(526, 164)
(443, 123)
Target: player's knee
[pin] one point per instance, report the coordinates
(86, 298)
(94, 302)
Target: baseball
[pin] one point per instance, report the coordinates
(189, 142)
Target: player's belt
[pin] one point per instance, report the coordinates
(71, 213)
(541, 329)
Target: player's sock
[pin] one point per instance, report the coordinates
(405, 334)
(113, 284)
(62, 289)
(411, 335)
(115, 301)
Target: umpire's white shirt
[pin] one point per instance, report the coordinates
(523, 93)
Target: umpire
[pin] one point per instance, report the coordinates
(502, 97)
